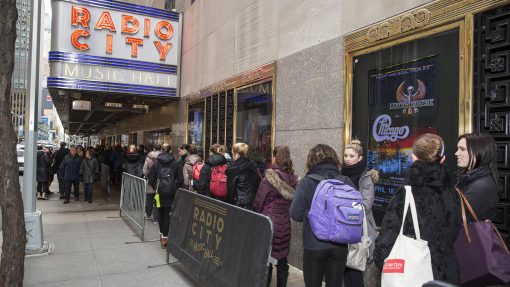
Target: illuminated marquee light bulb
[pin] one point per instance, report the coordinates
(74, 39)
(126, 19)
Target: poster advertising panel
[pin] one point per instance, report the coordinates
(403, 101)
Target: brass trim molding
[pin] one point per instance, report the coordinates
(427, 16)
(399, 25)
(260, 73)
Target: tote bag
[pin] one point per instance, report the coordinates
(359, 252)
(409, 262)
(481, 252)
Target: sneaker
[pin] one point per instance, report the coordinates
(66, 201)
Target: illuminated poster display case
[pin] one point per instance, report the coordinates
(240, 109)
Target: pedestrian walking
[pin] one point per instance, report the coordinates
(89, 173)
(70, 170)
(59, 157)
(355, 167)
(273, 199)
(163, 178)
(321, 259)
(478, 175)
(242, 178)
(43, 172)
(437, 207)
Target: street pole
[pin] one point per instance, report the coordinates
(33, 217)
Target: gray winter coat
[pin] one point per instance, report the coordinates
(366, 187)
(88, 168)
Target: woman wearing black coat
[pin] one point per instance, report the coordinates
(242, 178)
(476, 156)
(204, 180)
(43, 172)
(89, 173)
(437, 206)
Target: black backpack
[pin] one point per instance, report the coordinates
(166, 186)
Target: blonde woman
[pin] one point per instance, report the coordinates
(242, 178)
(355, 167)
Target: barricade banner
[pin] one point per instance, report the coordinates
(220, 244)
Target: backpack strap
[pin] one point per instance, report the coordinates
(316, 177)
(320, 178)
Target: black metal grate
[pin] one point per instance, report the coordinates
(491, 113)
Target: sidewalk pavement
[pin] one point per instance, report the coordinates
(90, 245)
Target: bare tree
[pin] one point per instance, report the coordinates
(11, 203)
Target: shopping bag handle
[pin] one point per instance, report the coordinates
(463, 203)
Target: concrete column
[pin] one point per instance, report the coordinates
(33, 217)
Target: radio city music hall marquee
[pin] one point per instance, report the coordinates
(113, 46)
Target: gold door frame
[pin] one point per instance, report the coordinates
(435, 17)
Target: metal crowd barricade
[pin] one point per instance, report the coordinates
(106, 181)
(132, 200)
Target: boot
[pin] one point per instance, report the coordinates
(282, 273)
(164, 242)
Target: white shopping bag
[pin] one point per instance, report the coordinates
(409, 261)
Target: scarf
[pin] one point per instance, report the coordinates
(353, 172)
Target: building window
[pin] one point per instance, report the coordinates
(170, 5)
(196, 126)
(254, 121)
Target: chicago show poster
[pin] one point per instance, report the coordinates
(403, 103)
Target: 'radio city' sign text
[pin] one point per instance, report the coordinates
(113, 33)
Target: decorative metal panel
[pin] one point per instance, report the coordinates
(229, 141)
(492, 97)
(207, 127)
(221, 121)
(214, 120)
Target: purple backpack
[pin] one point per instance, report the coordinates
(336, 213)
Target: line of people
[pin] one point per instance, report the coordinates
(281, 196)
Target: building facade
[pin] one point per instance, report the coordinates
(299, 73)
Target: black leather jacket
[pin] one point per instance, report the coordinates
(481, 191)
(242, 182)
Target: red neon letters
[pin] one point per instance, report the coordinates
(81, 16)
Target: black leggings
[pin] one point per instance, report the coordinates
(164, 220)
(329, 263)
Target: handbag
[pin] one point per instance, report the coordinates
(482, 255)
(409, 263)
(156, 196)
(359, 252)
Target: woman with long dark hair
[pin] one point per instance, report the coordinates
(478, 176)
(273, 199)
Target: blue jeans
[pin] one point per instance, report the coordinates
(88, 188)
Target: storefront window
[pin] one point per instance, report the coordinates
(159, 137)
(196, 125)
(254, 121)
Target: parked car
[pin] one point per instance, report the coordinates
(21, 159)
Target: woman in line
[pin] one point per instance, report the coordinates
(187, 171)
(89, 172)
(478, 177)
(204, 181)
(273, 199)
(364, 179)
(242, 178)
(437, 207)
(320, 258)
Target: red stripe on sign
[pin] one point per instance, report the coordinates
(394, 266)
